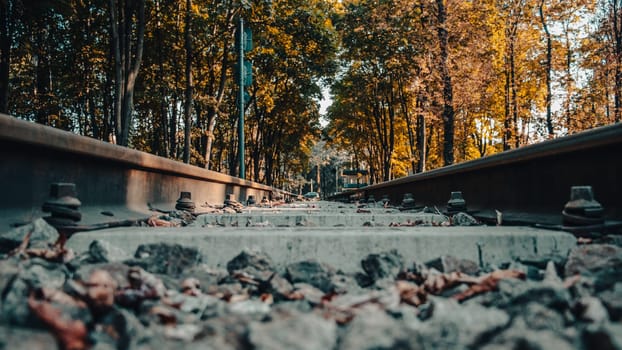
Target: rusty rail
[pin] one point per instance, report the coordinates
(529, 184)
(108, 178)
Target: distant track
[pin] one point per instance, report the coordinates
(530, 184)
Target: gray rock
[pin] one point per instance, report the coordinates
(612, 299)
(363, 280)
(550, 273)
(250, 307)
(373, 329)
(429, 218)
(518, 293)
(230, 331)
(118, 329)
(9, 269)
(406, 314)
(39, 273)
(448, 263)
(542, 259)
(168, 259)
(202, 306)
(454, 326)
(345, 284)
(383, 265)
(603, 337)
(253, 262)
(15, 309)
(34, 274)
(463, 219)
(101, 251)
(206, 275)
(540, 317)
(519, 336)
(601, 261)
(201, 342)
(591, 258)
(312, 272)
(302, 331)
(42, 236)
(22, 338)
(185, 332)
(312, 294)
(279, 287)
(290, 308)
(591, 309)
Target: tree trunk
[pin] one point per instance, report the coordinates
(126, 71)
(173, 127)
(421, 137)
(5, 54)
(132, 72)
(162, 140)
(42, 73)
(189, 87)
(118, 70)
(514, 102)
(409, 126)
(212, 114)
(548, 67)
(507, 125)
(570, 82)
(616, 19)
(448, 109)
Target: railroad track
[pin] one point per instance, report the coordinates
(108, 178)
(370, 274)
(528, 186)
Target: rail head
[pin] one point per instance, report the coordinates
(31, 135)
(594, 138)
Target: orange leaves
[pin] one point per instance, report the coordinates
(416, 295)
(70, 334)
(488, 283)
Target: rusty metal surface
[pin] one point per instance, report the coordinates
(106, 177)
(534, 179)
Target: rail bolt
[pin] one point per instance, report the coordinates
(456, 202)
(62, 204)
(251, 200)
(408, 201)
(582, 209)
(185, 202)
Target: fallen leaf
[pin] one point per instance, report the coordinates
(488, 282)
(70, 334)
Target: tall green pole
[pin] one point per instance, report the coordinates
(242, 174)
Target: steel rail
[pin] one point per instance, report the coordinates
(532, 182)
(107, 177)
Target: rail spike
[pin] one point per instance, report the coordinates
(456, 202)
(63, 205)
(582, 209)
(408, 201)
(185, 202)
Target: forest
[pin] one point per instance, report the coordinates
(413, 84)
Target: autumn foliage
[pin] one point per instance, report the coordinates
(415, 84)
